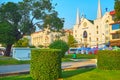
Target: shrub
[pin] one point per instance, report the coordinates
(45, 64)
(59, 44)
(32, 46)
(109, 60)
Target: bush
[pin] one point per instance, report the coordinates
(108, 60)
(31, 46)
(59, 44)
(45, 64)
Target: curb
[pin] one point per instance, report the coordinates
(14, 73)
(74, 68)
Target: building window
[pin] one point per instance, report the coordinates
(106, 32)
(96, 27)
(106, 21)
(85, 34)
(89, 38)
(75, 31)
(75, 35)
(115, 36)
(106, 26)
(97, 32)
(97, 39)
(115, 26)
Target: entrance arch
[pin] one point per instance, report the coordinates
(85, 38)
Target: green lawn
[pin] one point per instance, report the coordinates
(91, 74)
(11, 61)
(80, 74)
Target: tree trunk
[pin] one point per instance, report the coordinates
(8, 50)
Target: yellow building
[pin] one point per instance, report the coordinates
(45, 37)
(93, 33)
(114, 31)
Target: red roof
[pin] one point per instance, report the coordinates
(112, 12)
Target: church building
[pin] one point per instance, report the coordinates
(93, 33)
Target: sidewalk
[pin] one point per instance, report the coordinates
(25, 68)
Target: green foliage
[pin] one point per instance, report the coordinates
(108, 60)
(40, 46)
(24, 17)
(39, 13)
(9, 23)
(45, 64)
(59, 44)
(31, 46)
(117, 10)
(24, 42)
(6, 33)
(71, 41)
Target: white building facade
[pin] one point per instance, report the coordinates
(93, 33)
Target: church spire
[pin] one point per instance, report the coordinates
(99, 12)
(78, 17)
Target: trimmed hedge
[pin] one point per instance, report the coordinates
(108, 60)
(45, 64)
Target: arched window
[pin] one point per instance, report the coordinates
(85, 34)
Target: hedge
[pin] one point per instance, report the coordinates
(45, 64)
(108, 60)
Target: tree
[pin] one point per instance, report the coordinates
(59, 44)
(117, 10)
(9, 20)
(71, 41)
(24, 42)
(25, 16)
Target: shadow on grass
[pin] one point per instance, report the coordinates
(66, 74)
(26, 78)
(19, 77)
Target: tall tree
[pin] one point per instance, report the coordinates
(71, 41)
(9, 20)
(25, 16)
(117, 10)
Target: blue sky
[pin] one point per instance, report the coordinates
(67, 9)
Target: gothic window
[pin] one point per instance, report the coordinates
(96, 27)
(85, 34)
(106, 21)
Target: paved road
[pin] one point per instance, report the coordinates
(26, 67)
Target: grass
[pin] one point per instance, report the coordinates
(80, 74)
(11, 61)
(91, 74)
(67, 58)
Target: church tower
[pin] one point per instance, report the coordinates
(78, 18)
(99, 12)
